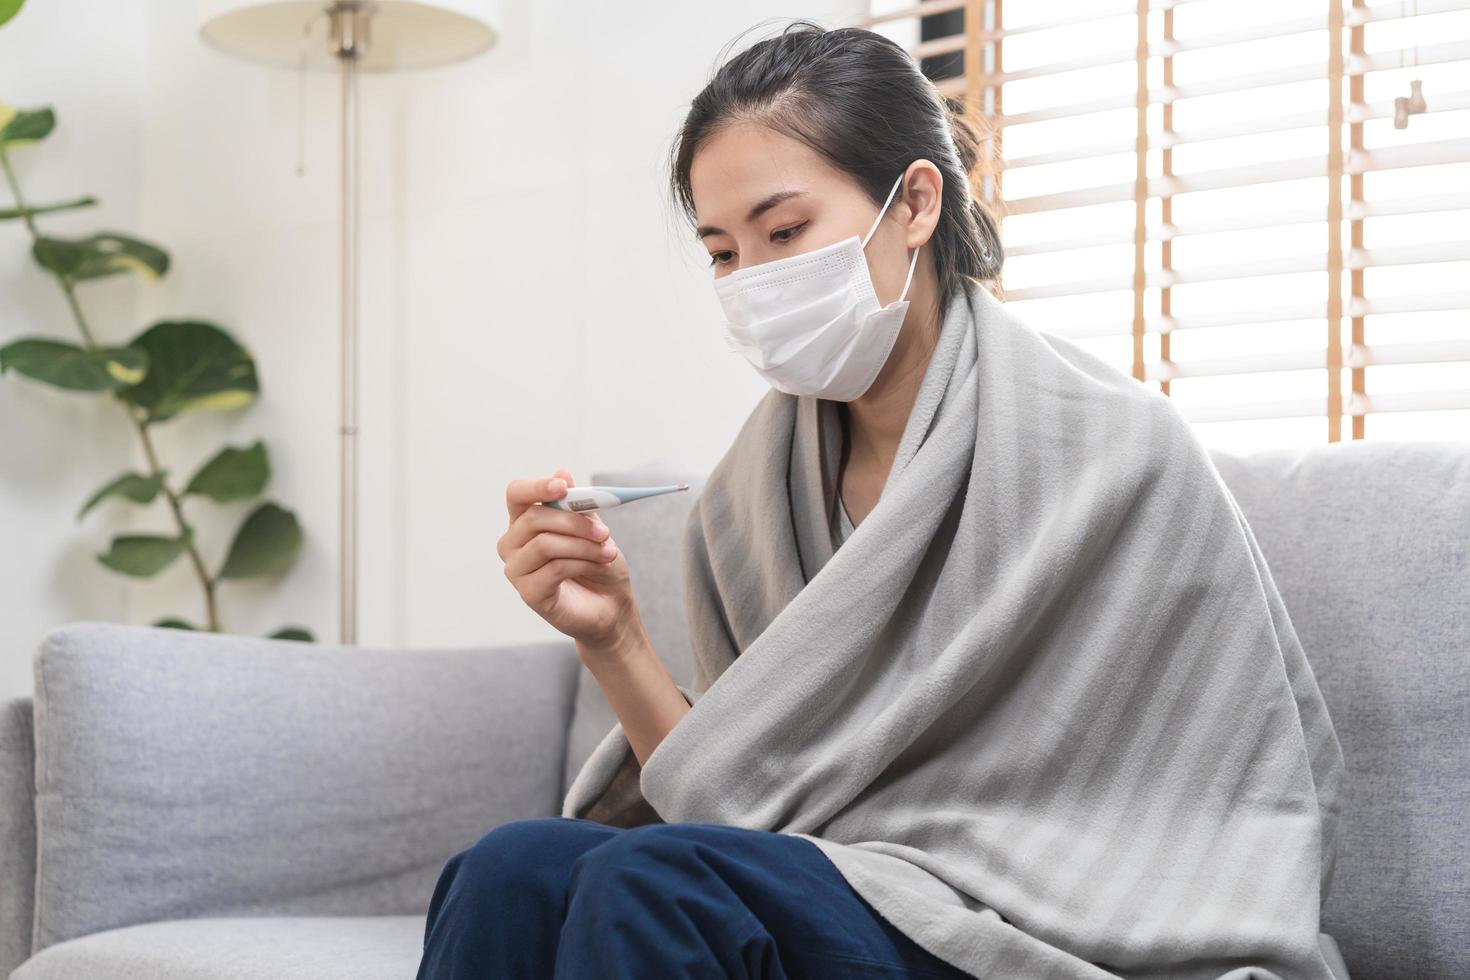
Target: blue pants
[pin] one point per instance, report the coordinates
(574, 899)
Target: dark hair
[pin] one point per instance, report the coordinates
(861, 101)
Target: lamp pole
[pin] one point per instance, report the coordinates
(351, 22)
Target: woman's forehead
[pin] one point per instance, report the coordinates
(743, 166)
(747, 153)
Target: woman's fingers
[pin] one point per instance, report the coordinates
(541, 586)
(546, 546)
(521, 494)
(535, 520)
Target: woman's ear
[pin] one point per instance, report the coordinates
(923, 194)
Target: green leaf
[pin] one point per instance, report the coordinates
(74, 368)
(233, 474)
(103, 254)
(143, 555)
(174, 623)
(293, 633)
(266, 544)
(9, 8)
(18, 126)
(136, 487)
(192, 364)
(81, 202)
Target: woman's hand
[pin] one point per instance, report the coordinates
(565, 565)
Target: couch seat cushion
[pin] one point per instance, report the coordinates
(386, 947)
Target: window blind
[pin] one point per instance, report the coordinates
(1262, 207)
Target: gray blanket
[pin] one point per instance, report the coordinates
(1044, 709)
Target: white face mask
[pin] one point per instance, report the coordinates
(811, 323)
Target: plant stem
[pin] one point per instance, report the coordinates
(210, 607)
(140, 422)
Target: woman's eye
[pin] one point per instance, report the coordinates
(790, 233)
(782, 235)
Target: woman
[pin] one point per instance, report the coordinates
(991, 678)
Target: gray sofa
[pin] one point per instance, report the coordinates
(178, 805)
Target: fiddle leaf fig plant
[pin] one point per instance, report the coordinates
(172, 368)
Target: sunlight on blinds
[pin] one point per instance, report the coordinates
(1236, 299)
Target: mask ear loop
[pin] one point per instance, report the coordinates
(883, 211)
(913, 261)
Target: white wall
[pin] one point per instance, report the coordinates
(530, 299)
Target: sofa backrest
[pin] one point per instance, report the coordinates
(183, 774)
(1369, 544)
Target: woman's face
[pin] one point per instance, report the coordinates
(760, 195)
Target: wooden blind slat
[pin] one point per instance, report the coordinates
(1402, 401)
(1409, 401)
(1423, 352)
(1400, 255)
(1356, 211)
(1283, 313)
(1360, 15)
(1096, 12)
(1412, 57)
(1357, 112)
(1384, 158)
(1427, 352)
(1275, 265)
(1411, 303)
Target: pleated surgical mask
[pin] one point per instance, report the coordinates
(811, 324)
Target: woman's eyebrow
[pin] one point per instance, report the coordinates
(761, 208)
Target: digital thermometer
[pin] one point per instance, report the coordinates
(601, 498)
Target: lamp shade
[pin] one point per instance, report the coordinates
(404, 34)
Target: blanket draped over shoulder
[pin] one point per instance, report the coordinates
(1044, 709)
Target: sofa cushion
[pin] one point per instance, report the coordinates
(250, 948)
(650, 534)
(1369, 544)
(184, 774)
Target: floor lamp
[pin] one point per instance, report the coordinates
(348, 37)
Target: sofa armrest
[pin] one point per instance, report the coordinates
(183, 774)
(17, 832)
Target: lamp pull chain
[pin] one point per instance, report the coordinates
(301, 97)
(301, 62)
